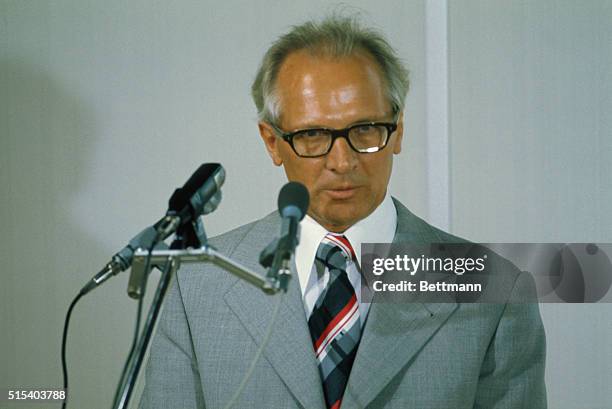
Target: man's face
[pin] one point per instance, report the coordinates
(323, 92)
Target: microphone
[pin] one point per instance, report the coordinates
(201, 194)
(293, 201)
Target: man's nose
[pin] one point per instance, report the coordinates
(341, 158)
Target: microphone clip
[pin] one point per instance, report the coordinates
(276, 257)
(190, 234)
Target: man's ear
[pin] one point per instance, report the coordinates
(271, 140)
(399, 134)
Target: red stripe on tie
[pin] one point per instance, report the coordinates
(331, 338)
(336, 404)
(345, 243)
(336, 320)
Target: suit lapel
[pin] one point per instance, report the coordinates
(394, 333)
(392, 336)
(289, 350)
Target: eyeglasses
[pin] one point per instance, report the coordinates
(367, 137)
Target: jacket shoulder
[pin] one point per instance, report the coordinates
(229, 241)
(411, 228)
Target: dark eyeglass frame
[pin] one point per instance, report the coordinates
(335, 134)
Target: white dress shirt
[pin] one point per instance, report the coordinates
(378, 227)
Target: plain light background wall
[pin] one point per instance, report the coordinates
(531, 155)
(106, 107)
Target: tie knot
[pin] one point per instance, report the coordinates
(339, 241)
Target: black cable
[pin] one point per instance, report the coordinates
(64, 339)
(134, 340)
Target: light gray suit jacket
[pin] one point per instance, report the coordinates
(412, 355)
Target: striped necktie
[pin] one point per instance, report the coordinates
(334, 323)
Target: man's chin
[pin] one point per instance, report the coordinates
(337, 218)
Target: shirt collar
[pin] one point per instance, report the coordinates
(378, 227)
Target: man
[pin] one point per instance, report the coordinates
(330, 97)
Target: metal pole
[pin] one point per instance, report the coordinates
(138, 356)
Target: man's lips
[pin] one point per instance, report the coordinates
(341, 192)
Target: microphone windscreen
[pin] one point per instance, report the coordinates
(198, 178)
(181, 196)
(293, 194)
(178, 200)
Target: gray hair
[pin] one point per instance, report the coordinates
(334, 36)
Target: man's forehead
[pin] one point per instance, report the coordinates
(301, 62)
(315, 86)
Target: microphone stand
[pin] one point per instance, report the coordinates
(172, 259)
(135, 360)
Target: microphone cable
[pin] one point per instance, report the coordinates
(263, 345)
(64, 339)
(134, 339)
